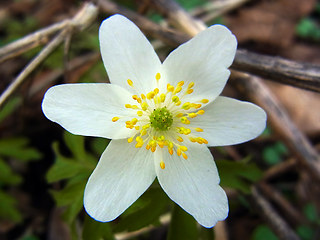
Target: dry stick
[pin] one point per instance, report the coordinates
(279, 226)
(302, 75)
(279, 169)
(80, 21)
(255, 89)
(274, 195)
(216, 8)
(167, 35)
(30, 41)
(178, 17)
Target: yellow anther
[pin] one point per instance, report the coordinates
(161, 144)
(170, 150)
(178, 103)
(189, 91)
(205, 141)
(134, 107)
(139, 144)
(162, 165)
(143, 132)
(179, 115)
(135, 97)
(190, 85)
(148, 147)
(143, 96)
(146, 126)
(134, 121)
(128, 105)
(137, 127)
(179, 152)
(114, 119)
(158, 76)
(130, 140)
(200, 112)
(180, 84)
(139, 139)
(194, 105)
(180, 139)
(161, 138)
(130, 82)
(192, 115)
(144, 106)
(186, 106)
(192, 139)
(185, 120)
(162, 97)
(150, 95)
(170, 88)
(183, 148)
(204, 101)
(199, 129)
(139, 113)
(178, 89)
(175, 99)
(153, 149)
(184, 156)
(186, 131)
(156, 91)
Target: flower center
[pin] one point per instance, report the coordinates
(161, 119)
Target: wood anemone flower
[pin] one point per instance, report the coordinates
(161, 118)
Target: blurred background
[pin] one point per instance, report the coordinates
(272, 182)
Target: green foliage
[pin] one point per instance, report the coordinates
(305, 232)
(9, 107)
(238, 175)
(15, 149)
(308, 28)
(145, 211)
(262, 232)
(93, 230)
(182, 226)
(274, 154)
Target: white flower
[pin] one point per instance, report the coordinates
(161, 117)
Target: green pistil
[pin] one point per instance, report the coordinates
(161, 119)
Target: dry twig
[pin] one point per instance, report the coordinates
(80, 21)
(274, 220)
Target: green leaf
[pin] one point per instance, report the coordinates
(144, 212)
(17, 148)
(238, 175)
(73, 210)
(8, 210)
(64, 167)
(70, 193)
(262, 232)
(310, 211)
(305, 232)
(9, 107)
(76, 145)
(7, 176)
(94, 230)
(274, 153)
(182, 225)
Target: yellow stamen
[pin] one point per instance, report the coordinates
(144, 106)
(139, 113)
(128, 105)
(114, 119)
(180, 139)
(162, 165)
(183, 148)
(130, 82)
(130, 140)
(190, 85)
(180, 84)
(204, 100)
(189, 91)
(199, 129)
(192, 115)
(186, 106)
(170, 88)
(184, 156)
(158, 76)
(200, 112)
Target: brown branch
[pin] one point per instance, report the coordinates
(166, 35)
(274, 220)
(256, 90)
(80, 21)
(302, 75)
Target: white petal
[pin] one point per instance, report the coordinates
(203, 60)
(88, 109)
(121, 176)
(127, 54)
(193, 184)
(227, 121)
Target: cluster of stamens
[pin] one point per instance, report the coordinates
(162, 119)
